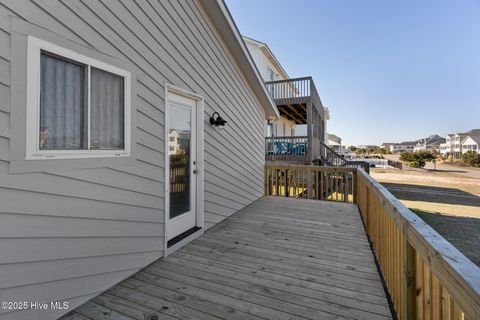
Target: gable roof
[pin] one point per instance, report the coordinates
(407, 143)
(475, 138)
(221, 18)
(270, 56)
(432, 139)
(334, 138)
(473, 132)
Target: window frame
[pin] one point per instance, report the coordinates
(33, 152)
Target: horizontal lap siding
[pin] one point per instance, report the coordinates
(81, 231)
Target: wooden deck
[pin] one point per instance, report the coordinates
(278, 258)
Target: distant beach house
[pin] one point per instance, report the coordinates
(430, 143)
(387, 145)
(453, 146)
(335, 142)
(471, 143)
(406, 146)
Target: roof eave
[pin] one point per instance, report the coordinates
(226, 27)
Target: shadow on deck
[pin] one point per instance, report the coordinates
(278, 258)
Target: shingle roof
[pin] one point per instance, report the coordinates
(474, 138)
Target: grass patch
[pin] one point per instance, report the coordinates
(462, 232)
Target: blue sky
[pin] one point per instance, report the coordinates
(388, 70)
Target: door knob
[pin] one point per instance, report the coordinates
(195, 171)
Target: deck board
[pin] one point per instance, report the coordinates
(278, 258)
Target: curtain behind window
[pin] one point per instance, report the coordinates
(62, 104)
(107, 110)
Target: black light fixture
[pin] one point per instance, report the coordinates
(218, 122)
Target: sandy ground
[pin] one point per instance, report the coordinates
(448, 200)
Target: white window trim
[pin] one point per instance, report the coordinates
(33, 151)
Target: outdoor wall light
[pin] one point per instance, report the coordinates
(218, 121)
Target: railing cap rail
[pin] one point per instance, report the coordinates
(309, 167)
(456, 272)
(287, 137)
(289, 80)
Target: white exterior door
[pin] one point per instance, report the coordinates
(182, 165)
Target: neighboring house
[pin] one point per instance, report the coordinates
(89, 92)
(446, 149)
(471, 143)
(270, 69)
(298, 135)
(430, 143)
(387, 145)
(173, 142)
(454, 142)
(367, 146)
(335, 142)
(406, 146)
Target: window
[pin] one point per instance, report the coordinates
(172, 139)
(271, 74)
(77, 107)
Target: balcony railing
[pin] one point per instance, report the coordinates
(289, 149)
(426, 277)
(290, 89)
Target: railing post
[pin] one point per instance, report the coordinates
(286, 183)
(355, 175)
(265, 181)
(409, 294)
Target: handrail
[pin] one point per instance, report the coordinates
(329, 157)
(310, 182)
(426, 276)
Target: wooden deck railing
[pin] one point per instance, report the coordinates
(179, 177)
(329, 157)
(286, 148)
(290, 89)
(310, 182)
(426, 276)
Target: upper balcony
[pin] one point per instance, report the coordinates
(298, 101)
(293, 97)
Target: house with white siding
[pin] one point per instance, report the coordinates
(93, 96)
(446, 149)
(270, 69)
(299, 135)
(471, 143)
(453, 146)
(406, 146)
(335, 142)
(430, 143)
